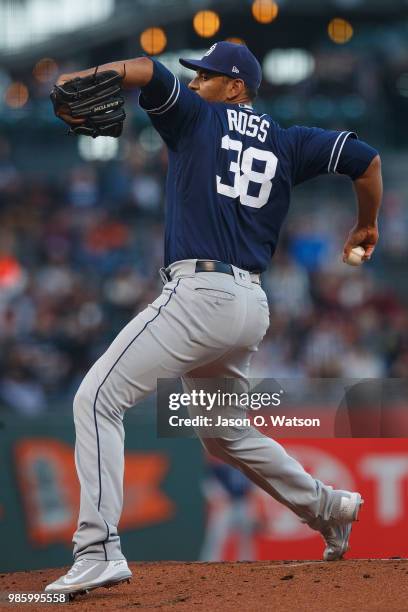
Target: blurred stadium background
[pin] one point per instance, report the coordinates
(81, 227)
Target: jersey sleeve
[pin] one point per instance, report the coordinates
(172, 108)
(355, 158)
(316, 151)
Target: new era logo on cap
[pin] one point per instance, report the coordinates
(235, 69)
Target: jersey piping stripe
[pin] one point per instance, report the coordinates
(340, 150)
(100, 387)
(169, 106)
(169, 102)
(337, 148)
(152, 110)
(333, 149)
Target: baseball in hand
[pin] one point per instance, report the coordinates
(355, 257)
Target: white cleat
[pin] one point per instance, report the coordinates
(336, 531)
(87, 574)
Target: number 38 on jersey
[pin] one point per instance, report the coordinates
(240, 164)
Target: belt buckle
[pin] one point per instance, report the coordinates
(163, 275)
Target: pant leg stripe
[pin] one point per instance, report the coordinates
(100, 386)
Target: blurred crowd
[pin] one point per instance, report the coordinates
(79, 258)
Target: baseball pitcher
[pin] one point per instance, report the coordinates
(230, 176)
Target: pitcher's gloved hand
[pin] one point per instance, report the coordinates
(91, 105)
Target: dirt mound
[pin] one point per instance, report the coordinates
(370, 584)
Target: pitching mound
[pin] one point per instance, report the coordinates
(374, 584)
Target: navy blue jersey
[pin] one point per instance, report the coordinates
(231, 172)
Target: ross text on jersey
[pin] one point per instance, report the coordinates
(250, 125)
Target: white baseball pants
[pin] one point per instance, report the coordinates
(203, 325)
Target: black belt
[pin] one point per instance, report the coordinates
(203, 265)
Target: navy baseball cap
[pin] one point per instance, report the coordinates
(231, 59)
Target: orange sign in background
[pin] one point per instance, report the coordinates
(163, 505)
(50, 489)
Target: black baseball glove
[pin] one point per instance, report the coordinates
(95, 99)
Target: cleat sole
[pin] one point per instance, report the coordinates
(109, 585)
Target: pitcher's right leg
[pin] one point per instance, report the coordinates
(163, 341)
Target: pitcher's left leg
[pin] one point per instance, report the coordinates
(262, 459)
(268, 465)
